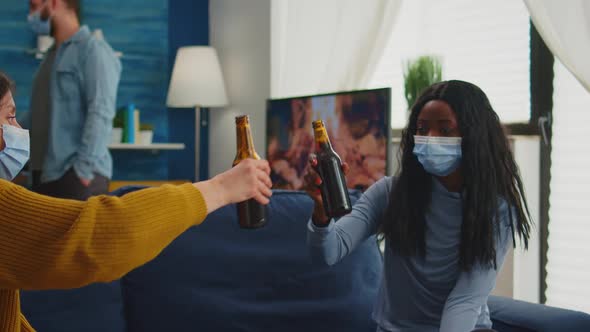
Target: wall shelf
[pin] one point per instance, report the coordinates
(153, 146)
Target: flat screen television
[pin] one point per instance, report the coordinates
(358, 124)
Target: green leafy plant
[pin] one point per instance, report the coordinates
(119, 120)
(146, 126)
(419, 74)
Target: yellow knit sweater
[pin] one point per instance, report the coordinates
(49, 243)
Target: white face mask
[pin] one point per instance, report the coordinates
(16, 153)
(37, 24)
(439, 156)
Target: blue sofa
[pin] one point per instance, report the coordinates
(218, 277)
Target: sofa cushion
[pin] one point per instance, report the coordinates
(218, 277)
(94, 308)
(510, 315)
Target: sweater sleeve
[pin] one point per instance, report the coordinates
(331, 243)
(9, 309)
(470, 294)
(11, 319)
(54, 243)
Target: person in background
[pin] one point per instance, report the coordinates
(51, 243)
(73, 104)
(448, 217)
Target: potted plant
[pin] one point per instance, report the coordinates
(117, 132)
(146, 133)
(419, 74)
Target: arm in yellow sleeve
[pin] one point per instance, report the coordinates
(11, 319)
(10, 310)
(54, 243)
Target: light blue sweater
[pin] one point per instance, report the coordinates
(416, 294)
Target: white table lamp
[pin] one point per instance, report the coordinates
(196, 82)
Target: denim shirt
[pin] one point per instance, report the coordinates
(83, 89)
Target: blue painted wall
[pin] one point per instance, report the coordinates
(188, 25)
(148, 32)
(15, 40)
(139, 29)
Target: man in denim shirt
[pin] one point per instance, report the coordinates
(72, 106)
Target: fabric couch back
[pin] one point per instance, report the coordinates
(218, 277)
(94, 308)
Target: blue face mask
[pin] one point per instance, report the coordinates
(16, 152)
(439, 156)
(38, 25)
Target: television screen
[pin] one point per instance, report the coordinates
(358, 124)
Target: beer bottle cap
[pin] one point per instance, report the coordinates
(318, 124)
(242, 119)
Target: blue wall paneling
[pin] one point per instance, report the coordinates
(188, 25)
(139, 29)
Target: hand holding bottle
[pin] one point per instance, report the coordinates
(248, 180)
(312, 184)
(251, 214)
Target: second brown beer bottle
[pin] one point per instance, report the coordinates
(251, 214)
(329, 167)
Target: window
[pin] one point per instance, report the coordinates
(486, 43)
(568, 271)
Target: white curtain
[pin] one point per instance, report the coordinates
(565, 28)
(568, 270)
(328, 45)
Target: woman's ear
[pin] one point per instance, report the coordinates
(52, 6)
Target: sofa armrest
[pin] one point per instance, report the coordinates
(513, 315)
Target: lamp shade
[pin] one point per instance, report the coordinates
(196, 79)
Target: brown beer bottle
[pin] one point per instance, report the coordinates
(329, 167)
(251, 214)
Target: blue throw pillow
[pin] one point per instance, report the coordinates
(218, 277)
